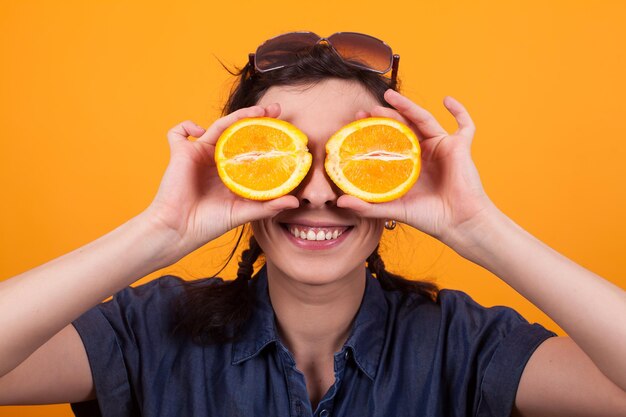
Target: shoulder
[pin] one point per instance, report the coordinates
(478, 353)
(451, 306)
(130, 339)
(459, 306)
(165, 288)
(455, 318)
(146, 307)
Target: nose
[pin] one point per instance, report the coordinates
(317, 190)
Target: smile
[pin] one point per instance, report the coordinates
(315, 233)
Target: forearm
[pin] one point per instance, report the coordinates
(589, 308)
(37, 304)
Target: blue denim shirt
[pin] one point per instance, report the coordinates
(405, 356)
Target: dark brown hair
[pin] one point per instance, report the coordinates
(217, 313)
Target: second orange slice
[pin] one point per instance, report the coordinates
(376, 159)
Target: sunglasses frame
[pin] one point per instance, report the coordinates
(395, 58)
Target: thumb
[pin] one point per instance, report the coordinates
(256, 210)
(182, 131)
(281, 203)
(365, 209)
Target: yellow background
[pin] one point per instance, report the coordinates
(88, 90)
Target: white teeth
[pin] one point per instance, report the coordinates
(316, 233)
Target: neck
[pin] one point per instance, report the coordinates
(315, 320)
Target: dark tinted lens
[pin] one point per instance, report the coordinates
(363, 50)
(280, 51)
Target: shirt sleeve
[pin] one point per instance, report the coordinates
(488, 349)
(121, 334)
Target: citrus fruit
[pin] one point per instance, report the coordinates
(376, 159)
(262, 158)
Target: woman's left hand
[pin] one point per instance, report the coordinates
(448, 193)
(449, 203)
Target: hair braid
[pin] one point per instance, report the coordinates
(217, 313)
(248, 258)
(392, 282)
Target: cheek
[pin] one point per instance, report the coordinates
(259, 233)
(375, 233)
(262, 236)
(369, 237)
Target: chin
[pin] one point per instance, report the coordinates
(314, 271)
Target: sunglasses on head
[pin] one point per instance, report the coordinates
(356, 49)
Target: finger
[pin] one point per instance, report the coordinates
(424, 122)
(183, 130)
(380, 111)
(215, 130)
(365, 209)
(281, 203)
(463, 119)
(259, 210)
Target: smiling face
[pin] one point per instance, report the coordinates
(331, 243)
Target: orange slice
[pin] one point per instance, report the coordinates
(261, 158)
(376, 159)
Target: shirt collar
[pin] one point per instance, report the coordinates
(366, 339)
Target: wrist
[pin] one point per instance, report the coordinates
(471, 238)
(165, 244)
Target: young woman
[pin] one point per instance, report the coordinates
(322, 329)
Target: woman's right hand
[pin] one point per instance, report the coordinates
(192, 200)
